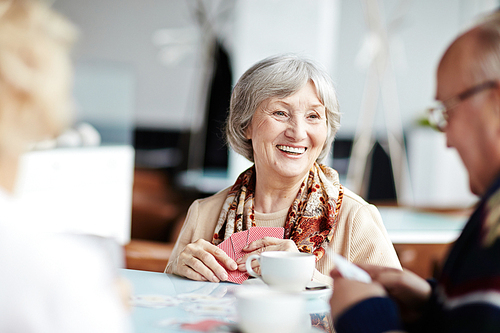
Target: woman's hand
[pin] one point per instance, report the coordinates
(265, 244)
(198, 261)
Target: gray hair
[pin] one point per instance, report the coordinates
(278, 76)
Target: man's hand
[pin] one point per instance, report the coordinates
(410, 291)
(347, 293)
(407, 289)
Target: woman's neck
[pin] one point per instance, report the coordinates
(272, 195)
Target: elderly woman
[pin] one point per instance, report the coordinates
(283, 117)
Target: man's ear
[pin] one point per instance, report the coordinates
(496, 107)
(496, 99)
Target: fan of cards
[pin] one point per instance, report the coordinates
(233, 246)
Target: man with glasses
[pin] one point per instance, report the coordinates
(466, 295)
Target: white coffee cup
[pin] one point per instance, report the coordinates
(287, 271)
(265, 310)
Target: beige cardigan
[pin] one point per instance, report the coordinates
(360, 235)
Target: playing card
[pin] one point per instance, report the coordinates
(199, 324)
(227, 246)
(233, 276)
(153, 301)
(208, 309)
(349, 270)
(239, 241)
(198, 298)
(234, 245)
(256, 233)
(207, 325)
(237, 276)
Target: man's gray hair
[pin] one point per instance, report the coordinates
(278, 76)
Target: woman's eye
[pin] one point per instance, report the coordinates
(314, 116)
(279, 113)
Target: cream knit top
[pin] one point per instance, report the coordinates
(360, 235)
(276, 219)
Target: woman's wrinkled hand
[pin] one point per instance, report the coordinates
(198, 261)
(262, 245)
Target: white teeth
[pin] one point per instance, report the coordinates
(292, 150)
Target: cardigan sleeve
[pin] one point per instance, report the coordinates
(360, 237)
(370, 242)
(185, 236)
(200, 223)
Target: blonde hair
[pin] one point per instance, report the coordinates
(35, 72)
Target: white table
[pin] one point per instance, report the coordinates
(168, 318)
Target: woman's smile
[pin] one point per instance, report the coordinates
(292, 150)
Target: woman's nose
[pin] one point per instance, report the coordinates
(296, 129)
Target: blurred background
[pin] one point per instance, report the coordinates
(153, 78)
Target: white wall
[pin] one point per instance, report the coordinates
(428, 27)
(120, 34)
(266, 27)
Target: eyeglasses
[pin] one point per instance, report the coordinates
(438, 114)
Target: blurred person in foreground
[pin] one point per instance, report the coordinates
(48, 282)
(466, 295)
(283, 117)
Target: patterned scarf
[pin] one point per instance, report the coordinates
(311, 219)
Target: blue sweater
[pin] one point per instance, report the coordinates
(466, 296)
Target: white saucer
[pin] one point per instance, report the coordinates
(324, 293)
(319, 293)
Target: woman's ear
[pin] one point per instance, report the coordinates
(248, 132)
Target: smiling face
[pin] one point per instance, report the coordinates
(288, 134)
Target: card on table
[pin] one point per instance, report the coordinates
(209, 325)
(233, 246)
(153, 301)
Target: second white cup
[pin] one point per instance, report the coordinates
(264, 310)
(287, 271)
